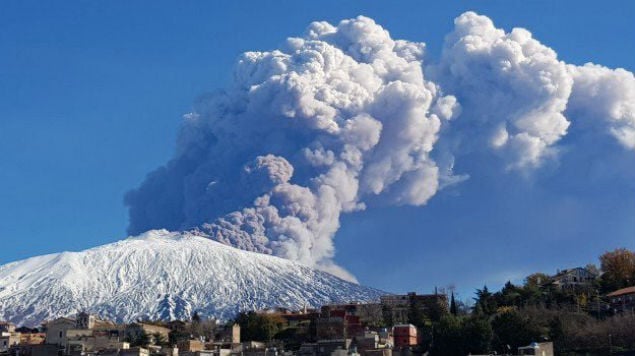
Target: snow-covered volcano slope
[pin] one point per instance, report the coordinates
(163, 275)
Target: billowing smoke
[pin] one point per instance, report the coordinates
(346, 116)
(519, 100)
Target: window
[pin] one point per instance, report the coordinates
(61, 334)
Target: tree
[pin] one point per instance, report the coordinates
(447, 337)
(512, 329)
(536, 279)
(259, 327)
(416, 316)
(619, 269)
(196, 318)
(159, 339)
(139, 339)
(477, 333)
(485, 302)
(387, 315)
(453, 310)
(461, 335)
(510, 295)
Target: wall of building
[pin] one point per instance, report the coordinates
(56, 331)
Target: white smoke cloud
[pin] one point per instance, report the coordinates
(604, 100)
(344, 117)
(513, 90)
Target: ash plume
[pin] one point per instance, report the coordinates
(345, 116)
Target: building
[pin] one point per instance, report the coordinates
(8, 340)
(337, 324)
(82, 341)
(622, 300)
(578, 277)
(32, 338)
(7, 327)
(35, 350)
(370, 344)
(56, 330)
(135, 351)
(235, 334)
(228, 337)
(537, 348)
(369, 314)
(191, 346)
(404, 336)
(397, 309)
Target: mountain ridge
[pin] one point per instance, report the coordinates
(163, 275)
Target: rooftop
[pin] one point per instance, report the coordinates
(622, 291)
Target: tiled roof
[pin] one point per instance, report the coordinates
(622, 291)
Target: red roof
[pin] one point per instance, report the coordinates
(622, 291)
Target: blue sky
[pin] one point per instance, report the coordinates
(92, 94)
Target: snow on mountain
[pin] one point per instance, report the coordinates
(163, 275)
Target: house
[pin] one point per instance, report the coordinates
(191, 346)
(578, 277)
(8, 339)
(404, 336)
(7, 327)
(56, 330)
(622, 300)
(82, 341)
(82, 334)
(370, 344)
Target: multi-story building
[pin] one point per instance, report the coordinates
(338, 323)
(56, 330)
(578, 277)
(369, 314)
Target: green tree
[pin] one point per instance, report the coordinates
(159, 339)
(141, 339)
(485, 302)
(536, 279)
(416, 316)
(453, 310)
(512, 329)
(447, 337)
(259, 327)
(510, 295)
(454, 335)
(477, 335)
